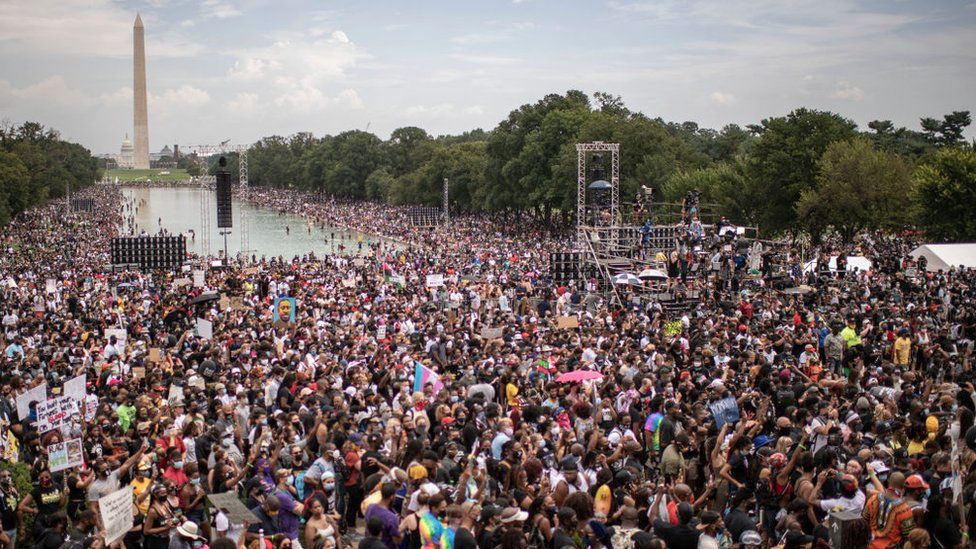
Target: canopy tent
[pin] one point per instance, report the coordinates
(854, 262)
(941, 257)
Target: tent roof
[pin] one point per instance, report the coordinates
(944, 256)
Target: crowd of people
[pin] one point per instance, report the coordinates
(438, 389)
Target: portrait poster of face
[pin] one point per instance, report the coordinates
(284, 310)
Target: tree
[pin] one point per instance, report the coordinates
(858, 187)
(903, 141)
(379, 184)
(14, 181)
(784, 160)
(945, 191)
(948, 131)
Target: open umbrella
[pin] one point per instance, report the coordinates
(650, 274)
(578, 375)
(205, 297)
(626, 278)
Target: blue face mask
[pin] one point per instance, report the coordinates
(928, 492)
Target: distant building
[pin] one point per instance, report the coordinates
(126, 158)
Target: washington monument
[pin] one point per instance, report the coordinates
(140, 145)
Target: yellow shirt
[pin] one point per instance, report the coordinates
(903, 350)
(138, 487)
(511, 392)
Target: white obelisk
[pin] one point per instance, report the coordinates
(140, 122)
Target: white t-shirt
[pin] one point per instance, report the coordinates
(842, 504)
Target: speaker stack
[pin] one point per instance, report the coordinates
(149, 252)
(225, 218)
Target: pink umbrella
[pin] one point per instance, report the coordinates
(578, 375)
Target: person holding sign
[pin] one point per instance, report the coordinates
(106, 480)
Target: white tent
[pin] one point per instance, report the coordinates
(941, 257)
(854, 263)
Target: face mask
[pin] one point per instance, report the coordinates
(45, 482)
(329, 487)
(454, 399)
(225, 443)
(177, 465)
(195, 480)
(541, 443)
(264, 421)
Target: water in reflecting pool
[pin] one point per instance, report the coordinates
(177, 210)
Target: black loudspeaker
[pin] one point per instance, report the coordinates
(225, 218)
(848, 530)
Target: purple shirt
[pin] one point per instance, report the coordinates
(391, 524)
(288, 521)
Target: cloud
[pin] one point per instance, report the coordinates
(721, 98)
(244, 103)
(847, 92)
(443, 110)
(52, 90)
(117, 98)
(218, 9)
(250, 68)
(291, 54)
(308, 97)
(181, 98)
(83, 28)
(476, 59)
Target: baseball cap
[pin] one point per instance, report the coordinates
(916, 482)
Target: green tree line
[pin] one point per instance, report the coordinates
(809, 170)
(37, 165)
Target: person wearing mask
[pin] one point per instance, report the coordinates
(682, 536)
(464, 537)
(174, 470)
(42, 502)
(267, 524)
(291, 510)
(160, 519)
(9, 498)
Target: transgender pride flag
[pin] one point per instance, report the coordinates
(423, 375)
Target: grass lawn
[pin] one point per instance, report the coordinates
(140, 175)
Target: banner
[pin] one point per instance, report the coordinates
(491, 333)
(53, 413)
(724, 411)
(116, 511)
(65, 455)
(284, 310)
(435, 280)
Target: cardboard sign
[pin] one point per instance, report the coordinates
(224, 302)
(204, 328)
(237, 303)
(180, 282)
(491, 333)
(116, 511)
(197, 381)
(53, 413)
(37, 394)
(567, 322)
(138, 372)
(348, 282)
(199, 278)
(91, 407)
(435, 280)
(381, 332)
(236, 511)
(65, 455)
(155, 355)
(724, 411)
(252, 270)
(51, 286)
(358, 262)
(75, 388)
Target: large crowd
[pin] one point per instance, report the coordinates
(445, 392)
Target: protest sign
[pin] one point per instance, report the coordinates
(435, 280)
(65, 455)
(348, 282)
(237, 303)
(724, 411)
(138, 372)
(120, 335)
(91, 407)
(491, 333)
(197, 381)
(199, 278)
(236, 511)
(224, 302)
(175, 394)
(358, 262)
(673, 328)
(155, 354)
(284, 309)
(567, 322)
(204, 328)
(75, 388)
(53, 413)
(252, 270)
(381, 332)
(51, 286)
(37, 394)
(116, 511)
(180, 282)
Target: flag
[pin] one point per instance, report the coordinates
(423, 375)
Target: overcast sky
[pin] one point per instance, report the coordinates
(243, 69)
